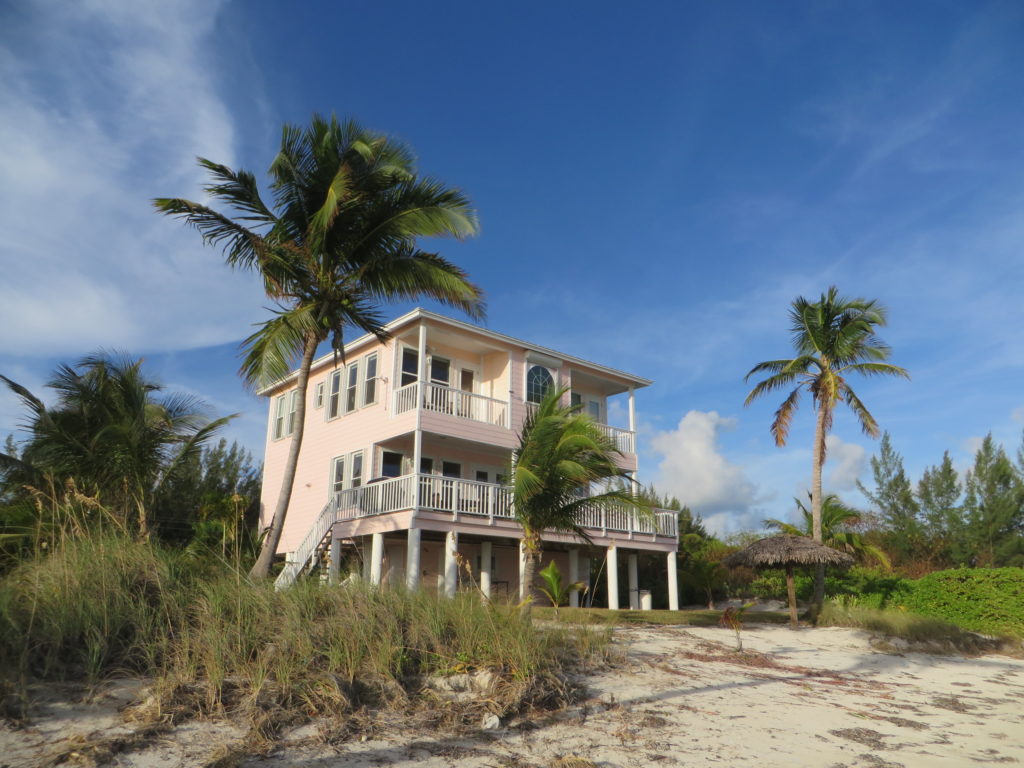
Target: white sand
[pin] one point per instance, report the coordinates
(679, 698)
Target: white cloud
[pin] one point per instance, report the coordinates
(844, 464)
(972, 445)
(693, 469)
(103, 106)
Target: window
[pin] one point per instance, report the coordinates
(279, 418)
(339, 474)
(440, 370)
(284, 414)
(352, 387)
(538, 383)
(426, 466)
(391, 464)
(576, 400)
(370, 380)
(357, 469)
(594, 409)
(410, 366)
(318, 398)
(334, 401)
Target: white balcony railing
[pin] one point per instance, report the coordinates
(458, 497)
(455, 402)
(623, 438)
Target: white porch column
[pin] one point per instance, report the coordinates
(522, 571)
(574, 576)
(412, 560)
(334, 569)
(634, 583)
(451, 566)
(613, 577)
(376, 557)
(417, 436)
(486, 550)
(673, 582)
(632, 428)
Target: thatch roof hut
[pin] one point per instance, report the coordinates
(787, 551)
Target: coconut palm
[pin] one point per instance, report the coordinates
(339, 240)
(561, 455)
(834, 337)
(836, 518)
(110, 436)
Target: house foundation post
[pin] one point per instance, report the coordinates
(673, 582)
(334, 567)
(451, 565)
(613, 577)
(486, 549)
(376, 558)
(634, 583)
(523, 591)
(412, 560)
(574, 576)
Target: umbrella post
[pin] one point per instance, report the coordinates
(791, 593)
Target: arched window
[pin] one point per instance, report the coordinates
(538, 383)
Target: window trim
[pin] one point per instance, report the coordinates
(334, 395)
(526, 381)
(285, 410)
(369, 380)
(318, 395)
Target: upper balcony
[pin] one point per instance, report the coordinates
(460, 404)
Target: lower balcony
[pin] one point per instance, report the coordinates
(467, 498)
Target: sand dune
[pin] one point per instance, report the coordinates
(679, 697)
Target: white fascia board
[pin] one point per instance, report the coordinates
(422, 314)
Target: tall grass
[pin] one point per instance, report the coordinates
(103, 605)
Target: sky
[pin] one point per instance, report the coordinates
(656, 182)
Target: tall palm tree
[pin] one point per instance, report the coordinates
(111, 434)
(339, 240)
(834, 337)
(561, 453)
(836, 519)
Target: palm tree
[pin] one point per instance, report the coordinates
(833, 337)
(340, 239)
(836, 517)
(561, 453)
(109, 436)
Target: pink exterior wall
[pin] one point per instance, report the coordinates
(500, 371)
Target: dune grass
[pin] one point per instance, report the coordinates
(920, 633)
(205, 633)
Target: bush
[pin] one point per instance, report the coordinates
(859, 585)
(987, 600)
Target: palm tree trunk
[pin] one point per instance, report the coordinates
(791, 594)
(818, 460)
(530, 557)
(262, 567)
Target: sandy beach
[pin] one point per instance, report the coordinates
(679, 696)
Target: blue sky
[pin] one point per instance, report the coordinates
(655, 181)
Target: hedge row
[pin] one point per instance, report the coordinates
(987, 600)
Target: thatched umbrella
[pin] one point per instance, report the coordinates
(787, 551)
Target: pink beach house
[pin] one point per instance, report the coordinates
(406, 453)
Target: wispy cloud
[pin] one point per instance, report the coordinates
(104, 105)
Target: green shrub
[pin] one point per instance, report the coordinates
(859, 585)
(987, 600)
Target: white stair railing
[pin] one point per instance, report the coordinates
(309, 546)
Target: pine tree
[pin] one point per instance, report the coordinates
(995, 508)
(893, 499)
(938, 494)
